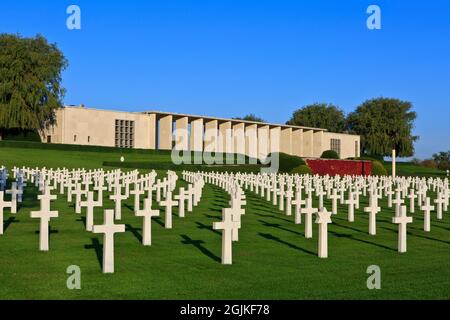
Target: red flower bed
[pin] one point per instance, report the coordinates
(340, 167)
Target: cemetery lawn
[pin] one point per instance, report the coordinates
(272, 259)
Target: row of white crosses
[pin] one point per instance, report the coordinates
(231, 217)
(290, 192)
(286, 191)
(15, 193)
(85, 189)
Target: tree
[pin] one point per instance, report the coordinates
(442, 160)
(384, 124)
(30, 83)
(319, 115)
(251, 117)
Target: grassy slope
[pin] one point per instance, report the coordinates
(272, 260)
(409, 169)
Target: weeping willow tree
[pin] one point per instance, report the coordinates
(384, 124)
(30, 83)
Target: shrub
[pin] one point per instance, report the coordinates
(329, 154)
(429, 163)
(22, 135)
(302, 169)
(288, 162)
(368, 158)
(378, 169)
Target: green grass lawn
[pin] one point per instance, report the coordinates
(272, 259)
(409, 169)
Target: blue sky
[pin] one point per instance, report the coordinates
(230, 58)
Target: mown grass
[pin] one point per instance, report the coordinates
(272, 259)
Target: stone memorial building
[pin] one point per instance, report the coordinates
(166, 131)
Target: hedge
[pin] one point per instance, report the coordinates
(249, 168)
(378, 169)
(288, 162)
(330, 154)
(302, 169)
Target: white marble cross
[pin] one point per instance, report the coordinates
(3, 205)
(334, 198)
(78, 192)
(298, 202)
(181, 197)
(45, 214)
(398, 202)
(228, 227)
(427, 208)
(190, 200)
(308, 211)
(412, 196)
(108, 229)
(289, 194)
(373, 209)
(117, 197)
(320, 193)
(147, 213)
(402, 220)
(168, 203)
(439, 201)
(351, 206)
(14, 192)
(137, 192)
(90, 204)
(323, 219)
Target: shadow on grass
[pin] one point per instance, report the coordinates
(98, 250)
(8, 223)
(159, 221)
(268, 236)
(50, 231)
(428, 238)
(82, 219)
(211, 216)
(351, 237)
(348, 227)
(134, 231)
(129, 207)
(199, 245)
(275, 225)
(209, 228)
(271, 216)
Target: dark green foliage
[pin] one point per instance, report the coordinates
(287, 162)
(329, 154)
(22, 135)
(378, 169)
(384, 124)
(30, 87)
(251, 117)
(302, 169)
(442, 160)
(320, 115)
